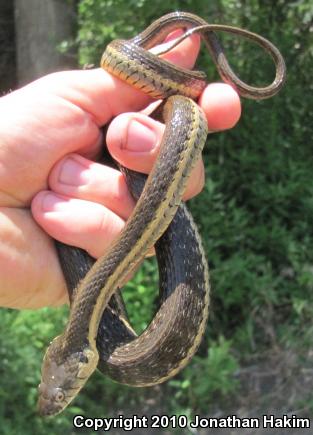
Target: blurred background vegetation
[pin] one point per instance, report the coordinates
(255, 216)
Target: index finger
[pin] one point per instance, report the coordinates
(104, 96)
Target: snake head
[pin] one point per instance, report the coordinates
(62, 376)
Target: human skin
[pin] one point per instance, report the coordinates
(50, 185)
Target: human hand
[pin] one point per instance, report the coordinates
(50, 186)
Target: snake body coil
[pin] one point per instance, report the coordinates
(98, 323)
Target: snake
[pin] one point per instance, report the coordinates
(98, 333)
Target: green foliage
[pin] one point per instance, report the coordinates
(25, 336)
(205, 377)
(140, 295)
(255, 216)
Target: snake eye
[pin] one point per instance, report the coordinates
(83, 358)
(59, 396)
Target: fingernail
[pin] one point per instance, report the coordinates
(140, 138)
(175, 34)
(50, 202)
(72, 173)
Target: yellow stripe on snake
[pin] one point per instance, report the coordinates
(98, 323)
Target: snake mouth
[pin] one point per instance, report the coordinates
(47, 408)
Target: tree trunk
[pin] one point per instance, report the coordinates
(7, 47)
(40, 27)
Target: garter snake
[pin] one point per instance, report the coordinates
(175, 332)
